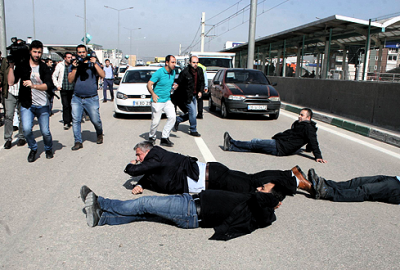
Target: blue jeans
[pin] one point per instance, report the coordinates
(190, 115)
(42, 114)
(91, 105)
(255, 145)
(180, 209)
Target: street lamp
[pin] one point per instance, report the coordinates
(84, 30)
(118, 10)
(130, 38)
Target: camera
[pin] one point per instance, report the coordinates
(19, 51)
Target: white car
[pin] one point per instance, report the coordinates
(132, 95)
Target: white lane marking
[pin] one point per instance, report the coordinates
(208, 157)
(347, 137)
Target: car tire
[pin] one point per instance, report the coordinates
(224, 110)
(211, 104)
(274, 116)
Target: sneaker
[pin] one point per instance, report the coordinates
(194, 133)
(7, 145)
(49, 154)
(227, 142)
(32, 156)
(15, 128)
(85, 190)
(166, 142)
(93, 210)
(21, 142)
(77, 146)
(100, 139)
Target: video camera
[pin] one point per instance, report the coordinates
(19, 51)
(80, 60)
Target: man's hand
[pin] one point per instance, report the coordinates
(134, 162)
(205, 90)
(137, 190)
(279, 204)
(199, 94)
(155, 97)
(59, 88)
(175, 86)
(28, 83)
(93, 60)
(320, 160)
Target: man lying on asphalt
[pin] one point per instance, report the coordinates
(230, 214)
(303, 132)
(380, 188)
(172, 173)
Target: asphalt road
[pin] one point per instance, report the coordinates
(42, 225)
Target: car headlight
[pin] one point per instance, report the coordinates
(232, 97)
(121, 95)
(274, 99)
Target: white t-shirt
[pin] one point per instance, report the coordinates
(39, 98)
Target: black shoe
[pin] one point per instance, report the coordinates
(176, 126)
(77, 146)
(32, 156)
(227, 142)
(21, 142)
(194, 134)
(199, 116)
(104, 100)
(85, 190)
(67, 126)
(314, 179)
(49, 154)
(323, 188)
(7, 145)
(15, 128)
(152, 140)
(100, 139)
(166, 142)
(93, 210)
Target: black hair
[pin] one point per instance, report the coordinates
(47, 60)
(278, 192)
(168, 58)
(81, 46)
(309, 112)
(65, 54)
(190, 59)
(36, 44)
(107, 60)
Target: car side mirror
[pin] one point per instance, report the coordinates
(274, 84)
(217, 82)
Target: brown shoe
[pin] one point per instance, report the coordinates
(100, 139)
(77, 146)
(304, 184)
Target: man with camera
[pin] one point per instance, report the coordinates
(85, 72)
(34, 94)
(60, 80)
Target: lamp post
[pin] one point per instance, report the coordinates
(84, 30)
(130, 38)
(118, 10)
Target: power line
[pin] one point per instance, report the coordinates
(193, 39)
(237, 3)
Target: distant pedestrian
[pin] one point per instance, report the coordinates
(108, 81)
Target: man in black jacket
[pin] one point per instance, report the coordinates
(230, 214)
(302, 132)
(35, 92)
(190, 87)
(172, 173)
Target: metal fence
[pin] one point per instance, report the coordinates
(383, 77)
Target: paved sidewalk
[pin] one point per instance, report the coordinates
(377, 133)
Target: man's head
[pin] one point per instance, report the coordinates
(107, 62)
(194, 61)
(81, 51)
(49, 62)
(68, 58)
(305, 115)
(36, 50)
(275, 190)
(170, 62)
(142, 149)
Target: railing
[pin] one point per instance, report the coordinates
(383, 77)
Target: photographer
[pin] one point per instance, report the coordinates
(34, 94)
(84, 72)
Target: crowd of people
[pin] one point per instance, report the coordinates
(210, 194)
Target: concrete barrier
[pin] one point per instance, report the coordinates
(369, 102)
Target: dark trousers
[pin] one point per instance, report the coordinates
(66, 97)
(108, 83)
(200, 106)
(371, 188)
(222, 178)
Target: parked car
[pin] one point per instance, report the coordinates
(244, 91)
(132, 96)
(120, 73)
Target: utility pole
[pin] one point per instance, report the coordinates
(203, 26)
(34, 25)
(84, 19)
(180, 49)
(3, 36)
(252, 34)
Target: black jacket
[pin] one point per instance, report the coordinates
(164, 171)
(236, 214)
(184, 93)
(301, 133)
(23, 72)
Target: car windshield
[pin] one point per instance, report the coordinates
(138, 76)
(122, 69)
(213, 64)
(245, 76)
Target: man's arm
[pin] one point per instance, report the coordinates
(151, 91)
(202, 84)
(72, 74)
(55, 76)
(11, 75)
(98, 68)
(313, 142)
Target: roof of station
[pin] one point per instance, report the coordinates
(346, 32)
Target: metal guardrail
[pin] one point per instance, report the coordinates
(384, 77)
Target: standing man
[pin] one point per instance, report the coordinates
(108, 81)
(60, 80)
(160, 85)
(190, 88)
(84, 72)
(200, 100)
(303, 132)
(36, 88)
(49, 64)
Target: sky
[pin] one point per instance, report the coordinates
(165, 25)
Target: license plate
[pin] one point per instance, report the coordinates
(141, 103)
(257, 107)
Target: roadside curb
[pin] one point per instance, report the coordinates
(374, 133)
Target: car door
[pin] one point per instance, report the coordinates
(219, 87)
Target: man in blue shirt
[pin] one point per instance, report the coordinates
(84, 73)
(108, 81)
(160, 86)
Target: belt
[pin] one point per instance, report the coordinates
(85, 97)
(196, 199)
(108, 78)
(207, 174)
